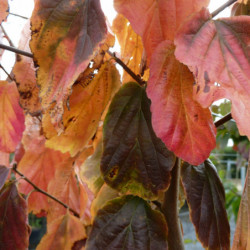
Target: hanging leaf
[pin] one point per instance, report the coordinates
(206, 200)
(134, 159)
(242, 232)
(128, 223)
(4, 7)
(131, 46)
(184, 126)
(87, 103)
(25, 76)
(218, 51)
(156, 21)
(4, 172)
(11, 117)
(14, 231)
(62, 233)
(65, 34)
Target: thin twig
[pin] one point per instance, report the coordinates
(7, 36)
(223, 120)
(13, 14)
(126, 68)
(5, 71)
(17, 51)
(225, 5)
(43, 192)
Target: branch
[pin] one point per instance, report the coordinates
(225, 5)
(5, 71)
(126, 68)
(17, 51)
(6, 36)
(43, 192)
(13, 14)
(171, 211)
(223, 120)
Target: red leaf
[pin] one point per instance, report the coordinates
(14, 231)
(156, 21)
(4, 172)
(65, 34)
(218, 51)
(185, 127)
(11, 117)
(3, 10)
(206, 198)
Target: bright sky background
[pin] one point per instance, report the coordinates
(14, 25)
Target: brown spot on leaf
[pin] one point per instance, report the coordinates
(26, 94)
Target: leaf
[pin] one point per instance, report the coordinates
(241, 8)
(4, 172)
(184, 126)
(14, 231)
(39, 165)
(87, 103)
(65, 187)
(25, 76)
(156, 21)
(4, 159)
(65, 34)
(218, 51)
(4, 7)
(131, 46)
(12, 117)
(242, 232)
(134, 159)
(62, 233)
(206, 199)
(128, 223)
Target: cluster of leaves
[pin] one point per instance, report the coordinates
(107, 149)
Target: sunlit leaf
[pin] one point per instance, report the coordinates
(87, 103)
(65, 34)
(206, 199)
(14, 231)
(218, 51)
(128, 223)
(4, 159)
(11, 117)
(4, 172)
(241, 7)
(242, 232)
(156, 21)
(25, 76)
(184, 126)
(131, 45)
(134, 159)
(4, 7)
(62, 233)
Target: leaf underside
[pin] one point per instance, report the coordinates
(134, 160)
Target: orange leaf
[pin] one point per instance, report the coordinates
(218, 51)
(62, 233)
(131, 46)
(25, 76)
(242, 232)
(4, 159)
(65, 34)
(39, 164)
(184, 126)
(87, 103)
(65, 187)
(12, 117)
(156, 21)
(4, 7)
(14, 231)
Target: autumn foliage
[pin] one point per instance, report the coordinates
(110, 147)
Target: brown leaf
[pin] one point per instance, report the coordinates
(4, 172)
(14, 231)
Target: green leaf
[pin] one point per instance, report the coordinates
(128, 223)
(206, 198)
(134, 160)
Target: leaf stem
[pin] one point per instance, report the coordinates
(126, 68)
(223, 120)
(15, 50)
(225, 5)
(171, 211)
(7, 36)
(43, 192)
